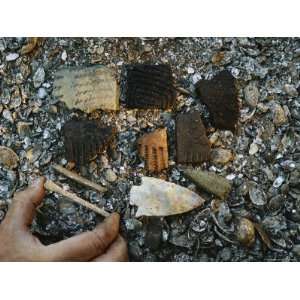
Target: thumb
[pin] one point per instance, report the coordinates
(22, 210)
(87, 245)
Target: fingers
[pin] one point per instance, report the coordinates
(117, 251)
(22, 210)
(88, 245)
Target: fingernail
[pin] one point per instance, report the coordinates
(38, 182)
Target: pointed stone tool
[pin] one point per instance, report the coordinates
(209, 182)
(156, 197)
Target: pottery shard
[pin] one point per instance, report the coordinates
(85, 139)
(8, 158)
(210, 182)
(153, 147)
(87, 89)
(192, 144)
(156, 197)
(220, 96)
(150, 86)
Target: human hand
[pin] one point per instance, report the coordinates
(18, 244)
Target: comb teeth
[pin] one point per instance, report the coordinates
(150, 86)
(220, 96)
(192, 144)
(85, 139)
(153, 148)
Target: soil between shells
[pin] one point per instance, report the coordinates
(273, 124)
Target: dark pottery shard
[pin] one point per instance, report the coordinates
(192, 144)
(220, 96)
(150, 86)
(85, 139)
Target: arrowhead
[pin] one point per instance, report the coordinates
(210, 182)
(156, 197)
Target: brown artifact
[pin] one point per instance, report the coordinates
(220, 96)
(85, 139)
(192, 144)
(150, 86)
(153, 147)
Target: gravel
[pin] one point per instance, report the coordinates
(11, 56)
(251, 94)
(38, 77)
(262, 158)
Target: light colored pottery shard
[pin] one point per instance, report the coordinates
(210, 182)
(153, 147)
(156, 197)
(8, 157)
(87, 89)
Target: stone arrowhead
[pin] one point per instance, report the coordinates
(87, 88)
(210, 182)
(156, 197)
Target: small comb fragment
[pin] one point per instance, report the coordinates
(150, 86)
(153, 147)
(85, 139)
(220, 96)
(192, 144)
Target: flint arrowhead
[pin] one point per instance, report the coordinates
(156, 197)
(210, 182)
